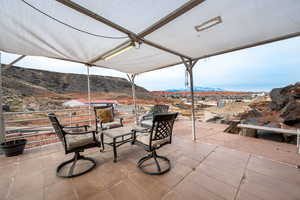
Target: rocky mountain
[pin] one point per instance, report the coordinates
(22, 84)
(286, 101)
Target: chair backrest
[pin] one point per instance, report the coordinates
(57, 127)
(162, 127)
(160, 109)
(110, 106)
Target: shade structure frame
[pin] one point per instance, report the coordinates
(189, 65)
(15, 61)
(2, 125)
(131, 78)
(179, 13)
(168, 18)
(287, 26)
(130, 34)
(89, 91)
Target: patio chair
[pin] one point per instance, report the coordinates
(74, 142)
(105, 118)
(153, 139)
(146, 120)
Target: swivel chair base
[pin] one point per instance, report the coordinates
(156, 158)
(70, 173)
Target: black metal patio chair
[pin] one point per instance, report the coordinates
(103, 121)
(75, 141)
(159, 135)
(147, 119)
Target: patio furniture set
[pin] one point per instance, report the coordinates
(153, 132)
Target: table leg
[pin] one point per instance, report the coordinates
(133, 137)
(115, 150)
(102, 142)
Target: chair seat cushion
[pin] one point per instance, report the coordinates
(146, 123)
(110, 125)
(75, 141)
(145, 139)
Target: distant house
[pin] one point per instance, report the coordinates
(84, 102)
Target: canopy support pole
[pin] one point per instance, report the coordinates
(15, 61)
(131, 78)
(2, 127)
(189, 64)
(89, 91)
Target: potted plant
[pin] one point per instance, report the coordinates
(13, 147)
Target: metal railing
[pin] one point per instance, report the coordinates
(39, 126)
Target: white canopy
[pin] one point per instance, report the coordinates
(88, 31)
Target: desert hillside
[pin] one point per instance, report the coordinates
(30, 89)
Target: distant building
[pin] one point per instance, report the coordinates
(84, 102)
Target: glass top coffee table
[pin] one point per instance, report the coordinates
(120, 136)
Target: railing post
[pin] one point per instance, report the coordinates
(298, 140)
(2, 126)
(70, 115)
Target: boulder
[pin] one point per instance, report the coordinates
(214, 119)
(260, 105)
(254, 121)
(291, 113)
(210, 116)
(270, 135)
(250, 114)
(282, 96)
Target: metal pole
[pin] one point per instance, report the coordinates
(193, 103)
(89, 92)
(134, 98)
(298, 140)
(189, 64)
(2, 127)
(16, 60)
(131, 78)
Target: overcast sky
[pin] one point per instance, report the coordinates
(256, 69)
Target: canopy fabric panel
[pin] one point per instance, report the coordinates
(26, 31)
(49, 28)
(139, 60)
(133, 15)
(243, 23)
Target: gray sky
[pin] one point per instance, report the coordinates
(256, 69)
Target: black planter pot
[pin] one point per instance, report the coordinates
(13, 148)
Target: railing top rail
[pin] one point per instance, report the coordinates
(46, 111)
(12, 129)
(44, 118)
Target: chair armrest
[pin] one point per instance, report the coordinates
(121, 120)
(147, 116)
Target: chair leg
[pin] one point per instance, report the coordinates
(74, 160)
(156, 162)
(71, 171)
(156, 159)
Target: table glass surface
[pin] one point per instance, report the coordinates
(122, 131)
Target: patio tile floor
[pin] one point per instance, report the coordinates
(199, 171)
